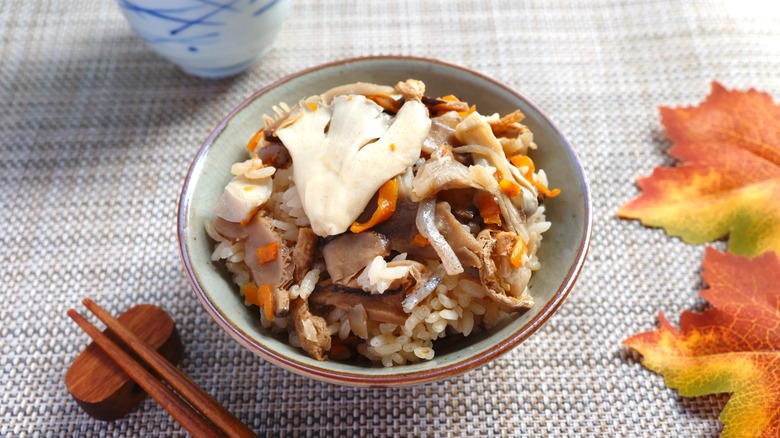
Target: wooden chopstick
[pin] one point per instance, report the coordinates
(179, 381)
(179, 410)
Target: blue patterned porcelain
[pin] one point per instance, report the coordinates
(208, 38)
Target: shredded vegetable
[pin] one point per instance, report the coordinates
(426, 215)
(388, 196)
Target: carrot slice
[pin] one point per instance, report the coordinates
(267, 301)
(525, 161)
(268, 253)
(388, 196)
(511, 188)
(420, 240)
(518, 251)
(489, 210)
(255, 140)
(251, 294)
(547, 192)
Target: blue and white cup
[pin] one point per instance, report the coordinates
(208, 38)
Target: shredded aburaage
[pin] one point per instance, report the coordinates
(371, 220)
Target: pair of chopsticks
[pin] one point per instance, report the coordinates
(193, 408)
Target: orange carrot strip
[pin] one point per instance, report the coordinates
(268, 253)
(511, 188)
(255, 140)
(521, 161)
(267, 301)
(547, 192)
(250, 293)
(450, 98)
(518, 251)
(489, 210)
(388, 196)
(420, 240)
(524, 161)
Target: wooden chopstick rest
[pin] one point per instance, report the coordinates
(99, 386)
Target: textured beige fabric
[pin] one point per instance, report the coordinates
(96, 134)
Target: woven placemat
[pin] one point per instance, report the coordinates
(97, 132)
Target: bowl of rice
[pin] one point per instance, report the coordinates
(384, 221)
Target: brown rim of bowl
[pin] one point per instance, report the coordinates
(399, 378)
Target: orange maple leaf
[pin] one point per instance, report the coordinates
(733, 347)
(729, 181)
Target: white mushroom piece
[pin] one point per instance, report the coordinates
(343, 150)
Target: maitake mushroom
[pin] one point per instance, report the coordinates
(345, 150)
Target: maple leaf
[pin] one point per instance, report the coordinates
(729, 181)
(733, 347)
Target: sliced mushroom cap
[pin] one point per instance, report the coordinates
(348, 253)
(303, 253)
(496, 287)
(275, 273)
(384, 307)
(312, 330)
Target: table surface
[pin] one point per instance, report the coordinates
(97, 132)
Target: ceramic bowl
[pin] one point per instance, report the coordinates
(562, 253)
(207, 39)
